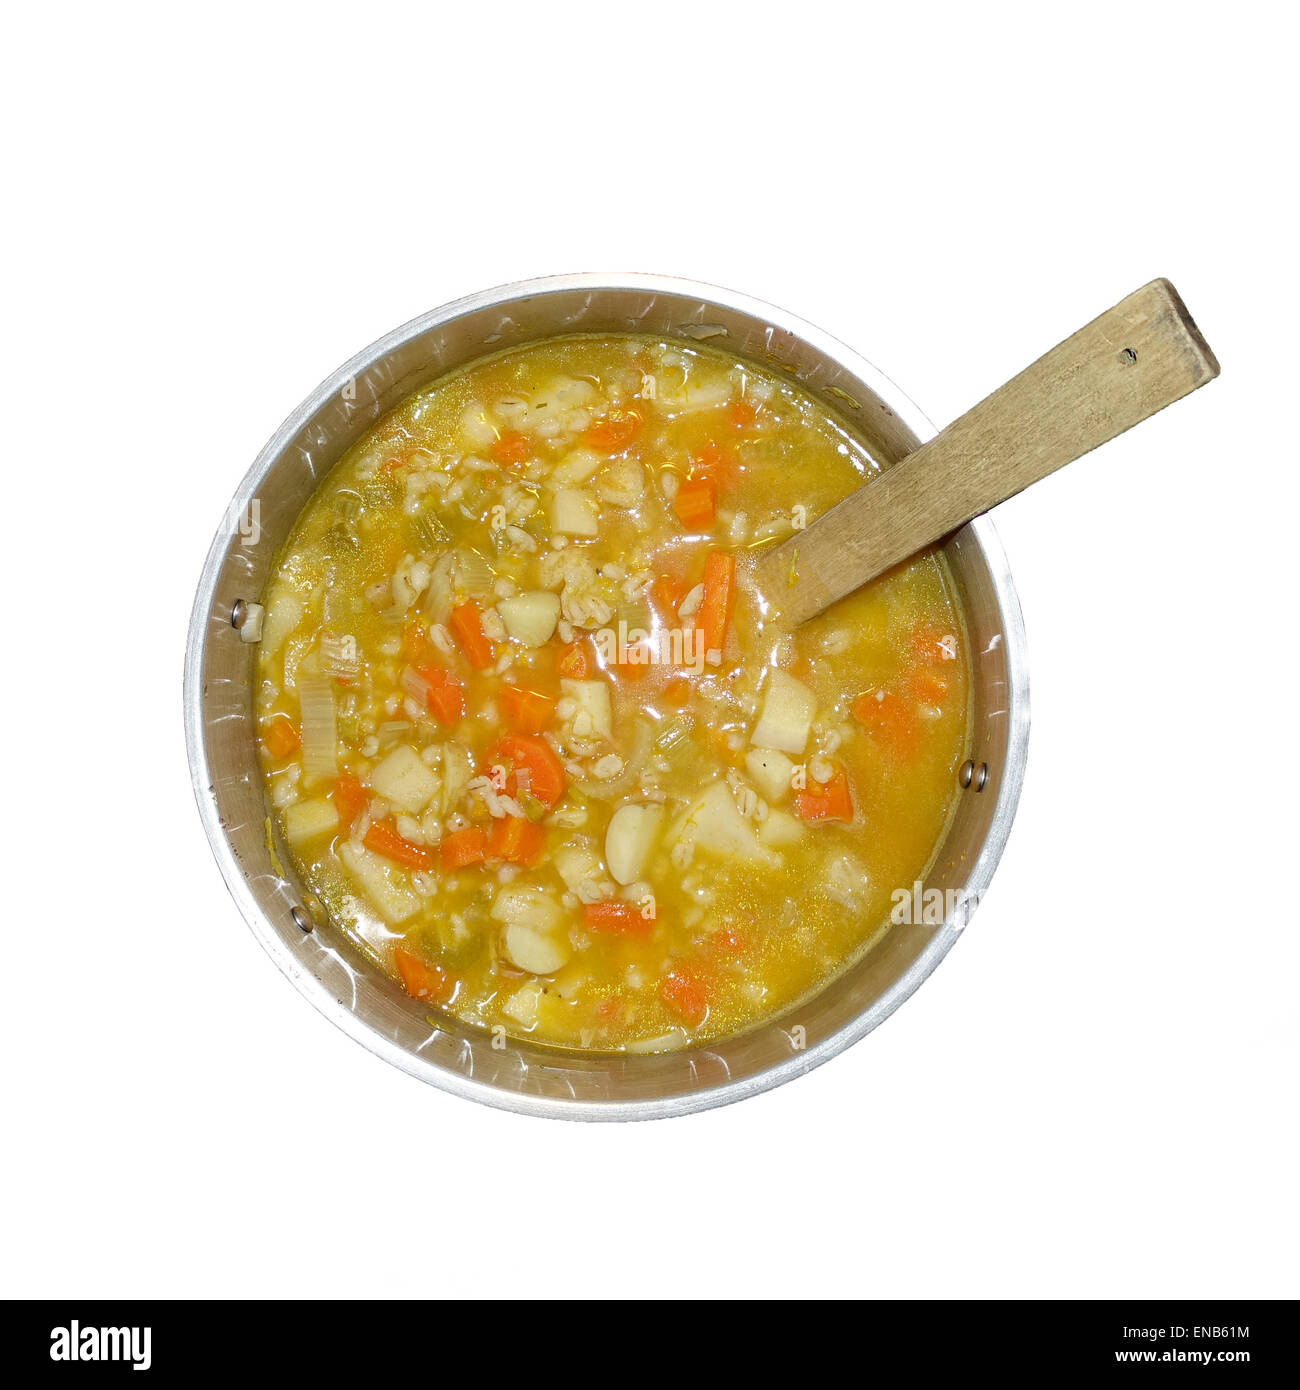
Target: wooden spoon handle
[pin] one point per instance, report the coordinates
(1134, 360)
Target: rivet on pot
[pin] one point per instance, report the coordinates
(238, 613)
(302, 919)
(972, 775)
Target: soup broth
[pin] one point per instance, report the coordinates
(535, 743)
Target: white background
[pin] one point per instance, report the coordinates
(1096, 1093)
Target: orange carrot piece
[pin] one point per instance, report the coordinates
(446, 694)
(823, 801)
(546, 779)
(619, 918)
(280, 738)
(467, 628)
(462, 848)
(713, 461)
(742, 415)
(686, 994)
(932, 645)
(927, 686)
(615, 432)
(666, 593)
(526, 711)
(719, 591)
(575, 662)
(512, 448)
(349, 798)
(517, 841)
(382, 837)
(420, 979)
(891, 722)
(696, 503)
(677, 691)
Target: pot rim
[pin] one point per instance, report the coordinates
(323, 999)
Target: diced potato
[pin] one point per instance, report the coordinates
(629, 840)
(476, 429)
(574, 512)
(383, 885)
(594, 717)
(716, 826)
(518, 904)
(534, 950)
(306, 821)
(577, 862)
(780, 829)
(522, 1004)
(404, 780)
(284, 612)
(575, 467)
(787, 716)
(530, 618)
(771, 772)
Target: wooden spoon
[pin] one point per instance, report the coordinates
(1134, 360)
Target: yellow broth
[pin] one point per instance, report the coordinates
(539, 749)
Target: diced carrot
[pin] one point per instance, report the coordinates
(615, 432)
(715, 607)
(686, 994)
(927, 686)
(512, 448)
(728, 943)
(527, 752)
(467, 628)
(742, 415)
(526, 711)
(666, 593)
(713, 461)
(517, 841)
(349, 798)
(383, 838)
(280, 738)
(891, 722)
(696, 503)
(420, 979)
(677, 691)
(462, 848)
(575, 661)
(933, 645)
(822, 801)
(446, 694)
(620, 918)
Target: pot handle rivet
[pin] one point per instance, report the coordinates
(302, 919)
(971, 775)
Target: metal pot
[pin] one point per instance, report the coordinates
(220, 732)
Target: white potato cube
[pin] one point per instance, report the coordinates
(404, 780)
(780, 830)
(306, 821)
(787, 715)
(530, 618)
(771, 772)
(629, 840)
(575, 467)
(519, 904)
(594, 717)
(714, 824)
(533, 950)
(574, 512)
(383, 885)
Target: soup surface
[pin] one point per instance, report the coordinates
(539, 749)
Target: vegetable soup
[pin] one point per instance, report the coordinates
(535, 743)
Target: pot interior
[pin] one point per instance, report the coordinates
(228, 781)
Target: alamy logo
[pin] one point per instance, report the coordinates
(77, 1343)
(921, 906)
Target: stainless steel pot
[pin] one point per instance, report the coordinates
(220, 731)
